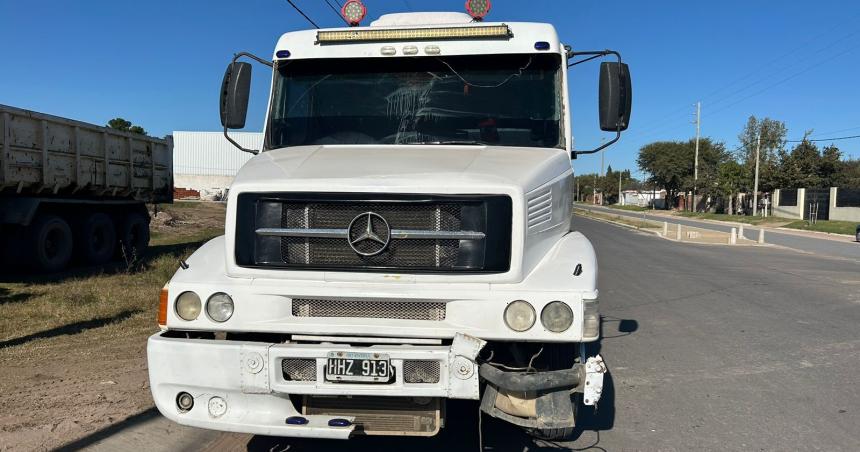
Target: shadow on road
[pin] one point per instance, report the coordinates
(11, 274)
(72, 328)
(113, 429)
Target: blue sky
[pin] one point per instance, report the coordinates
(160, 63)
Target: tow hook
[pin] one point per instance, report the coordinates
(593, 387)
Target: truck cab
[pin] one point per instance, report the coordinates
(403, 238)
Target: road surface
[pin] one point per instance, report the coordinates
(834, 246)
(723, 348)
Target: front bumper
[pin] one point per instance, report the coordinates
(248, 377)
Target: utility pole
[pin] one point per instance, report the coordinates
(619, 188)
(755, 184)
(696, 159)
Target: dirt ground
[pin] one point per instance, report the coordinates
(73, 345)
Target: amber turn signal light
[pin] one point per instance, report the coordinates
(162, 307)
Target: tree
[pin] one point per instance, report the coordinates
(773, 142)
(829, 169)
(125, 126)
(671, 165)
(730, 181)
(668, 163)
(801, 167)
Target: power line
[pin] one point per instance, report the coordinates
(661, 122)
(303, 14)
(336, 12)
(825, 139)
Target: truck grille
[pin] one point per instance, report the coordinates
(415, 371)
(379, 309)
(299, 369)
(358, 232)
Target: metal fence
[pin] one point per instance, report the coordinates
(848, 197)
(788, 198)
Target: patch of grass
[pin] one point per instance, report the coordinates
(39, 308)
(630, 208)
(833, 226)
(735, 218)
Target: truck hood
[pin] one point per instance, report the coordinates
(386, 168)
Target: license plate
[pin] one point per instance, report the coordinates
(355, 366)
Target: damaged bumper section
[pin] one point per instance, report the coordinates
(541, 400)
(287, 389)
(296, 389)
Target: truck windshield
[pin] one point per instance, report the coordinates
(503, 100)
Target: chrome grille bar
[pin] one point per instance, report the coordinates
(395, 234)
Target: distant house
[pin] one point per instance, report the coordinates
(644, 198)
(205, 163)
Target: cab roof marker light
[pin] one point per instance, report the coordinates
(388, 51)
(353, 11)
(410, 50)
(415, 34)
(432, 50)
(297, 420)
(541, 45)
(478, 9)
(283, 54)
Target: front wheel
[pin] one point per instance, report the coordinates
(560, 356)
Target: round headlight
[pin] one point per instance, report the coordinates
(188, 306)
(556, 316)
(520, 316)
(219, 307)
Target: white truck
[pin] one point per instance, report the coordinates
(403, 238)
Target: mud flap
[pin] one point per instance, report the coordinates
(552, 409)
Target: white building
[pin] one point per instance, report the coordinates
(643, 198)
(206, 162)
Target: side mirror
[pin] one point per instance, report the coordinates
(235, 91)
(616, 97)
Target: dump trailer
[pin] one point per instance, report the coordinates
(76, 192)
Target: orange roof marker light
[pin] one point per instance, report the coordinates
(353, 11)
(478, 9)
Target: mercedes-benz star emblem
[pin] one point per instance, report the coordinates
(369, 234)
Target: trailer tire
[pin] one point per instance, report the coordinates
(51, 243)
(96, 239)
(133, 236)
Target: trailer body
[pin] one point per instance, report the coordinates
(64, 181)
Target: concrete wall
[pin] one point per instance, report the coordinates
(789, 211)
(842, 213)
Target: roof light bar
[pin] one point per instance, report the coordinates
(415, 34)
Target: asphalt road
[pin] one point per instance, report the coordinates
(834, 246)
(723, 348)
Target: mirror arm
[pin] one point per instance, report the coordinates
(592, 54)
(236, 57)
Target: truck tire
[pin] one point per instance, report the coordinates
(560, 356)
(96, 239)
(51, 243)
(133, 236)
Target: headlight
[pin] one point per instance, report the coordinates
(520, 315)
(591, 320)
(188, 306)
(556, 316)
(219, 307)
